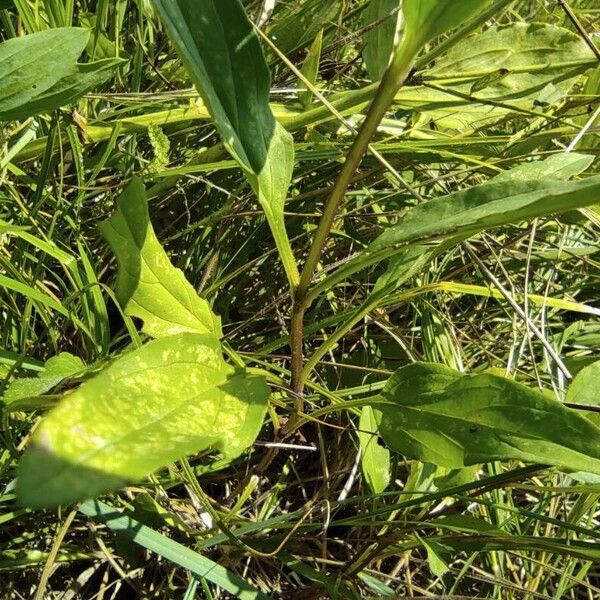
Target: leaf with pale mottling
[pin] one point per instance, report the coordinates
(172, 397)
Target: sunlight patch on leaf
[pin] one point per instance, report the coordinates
(170, 398)
(148, 285)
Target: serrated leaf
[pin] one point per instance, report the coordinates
(221, 51)
(488, 205)
(148, 285)
(57, 369)
(434, 414)
(374, 458)
(40, 72)
(379, 41)
(172, 397)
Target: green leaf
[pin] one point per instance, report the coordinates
(489, 205)
(379, 41)
(39, 72)
(584, 388)
(515, 58)
(426, 19)
(375, 459)
(310, 69)
(514, 64)
(220, 49)
(437, 556)
(561, 166)
(434, 414)
(172, 397)
(57, 369)
(297, 23)
(148, 285)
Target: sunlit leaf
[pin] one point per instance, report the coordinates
(514, 65)
(40, 72)
(310, 69)
(489, 205)
(517, 58)
(222, 54)
(432, 413)
(584, 388)
(57, 369)
(148, 285)
(426, 19)
(170, 398)
(374, 458)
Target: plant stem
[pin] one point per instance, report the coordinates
(392, 80)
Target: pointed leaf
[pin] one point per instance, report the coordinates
(57, 369)
(435, 414)
(488, 205)
(221, 52)
(148, 285)
(39, 72)
(310, 70)
(172, 397)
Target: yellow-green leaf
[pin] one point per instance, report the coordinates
(172, 397)
(148, 285)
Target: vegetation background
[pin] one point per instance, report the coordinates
(309, 520)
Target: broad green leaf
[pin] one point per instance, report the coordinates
(516, 65)
(486, 206)
(584, 388)
(374, 459)
(220, 50)
(514, 58)
(57, 369)
(148, 285)
(379, 41)
(434, 414)
(426, 19)
(172, 397)
(40, 72)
